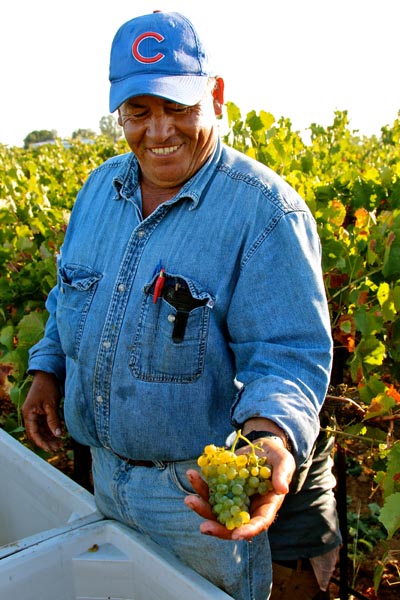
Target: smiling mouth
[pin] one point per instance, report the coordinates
(164, 151)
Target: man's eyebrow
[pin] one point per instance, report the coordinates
(175, 103)
(134, 103)
(137, 104)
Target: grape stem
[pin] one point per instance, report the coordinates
(240, 436)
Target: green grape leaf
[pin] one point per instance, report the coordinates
(391, 261)
(380, 405)
(390, 514)
(7, 336)
(396, 297)
(30, 328)
(392, 480)
(233, 112)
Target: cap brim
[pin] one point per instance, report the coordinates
(184, 89)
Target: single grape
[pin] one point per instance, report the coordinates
(264, 487)
(244, 473)
(265, 472)
(237, 489)
(253, 482)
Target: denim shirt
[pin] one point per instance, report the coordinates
(240, 328)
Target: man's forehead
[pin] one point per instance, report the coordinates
(149, 98)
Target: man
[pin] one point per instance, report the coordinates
(186, 268)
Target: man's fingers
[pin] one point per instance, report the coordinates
(263, 512)
(37, 438)
(31, 422)
(198, 483)
(53, 422)
(247, 532)
(263, 508)
(38, 430)
(282, 462)
(216, 529)
(267, 505)
(200, 506)
(281, 478)
(40, 412)
(210, 526)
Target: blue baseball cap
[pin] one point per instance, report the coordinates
(159, 54)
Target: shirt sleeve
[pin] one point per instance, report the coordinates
(47, 355)
(280, 331)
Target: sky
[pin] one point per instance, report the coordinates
(302, 60)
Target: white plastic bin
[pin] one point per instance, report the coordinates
(101, 561)
(37, 501)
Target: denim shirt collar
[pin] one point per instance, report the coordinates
(127, 182)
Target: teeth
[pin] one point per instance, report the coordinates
(164, 151)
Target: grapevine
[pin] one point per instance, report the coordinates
(351, 184)
(232, 479)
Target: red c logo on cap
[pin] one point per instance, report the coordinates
(147, 59)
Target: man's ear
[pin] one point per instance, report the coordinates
(119, 119)
(218, 95)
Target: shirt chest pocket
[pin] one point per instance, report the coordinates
(171, 337)
(77, 285)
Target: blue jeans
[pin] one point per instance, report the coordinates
(150, 500)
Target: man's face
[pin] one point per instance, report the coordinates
(171, 141)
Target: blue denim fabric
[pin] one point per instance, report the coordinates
(244, 245)
(150, 500)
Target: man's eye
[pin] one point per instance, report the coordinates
(136, 114)
(132, 115)
(179, 108)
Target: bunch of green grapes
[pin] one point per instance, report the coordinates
(232, 479)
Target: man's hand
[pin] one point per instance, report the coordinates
(263, 508)
(40, 412)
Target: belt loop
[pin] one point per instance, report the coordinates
(160, 465)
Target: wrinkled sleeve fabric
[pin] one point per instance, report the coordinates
(280, 331)
(47, 355)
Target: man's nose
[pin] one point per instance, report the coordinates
(161, 126)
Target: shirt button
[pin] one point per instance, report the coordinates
(99, 399)
(171, 318)
(106, 345)
(121, 287)
(140, 233)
